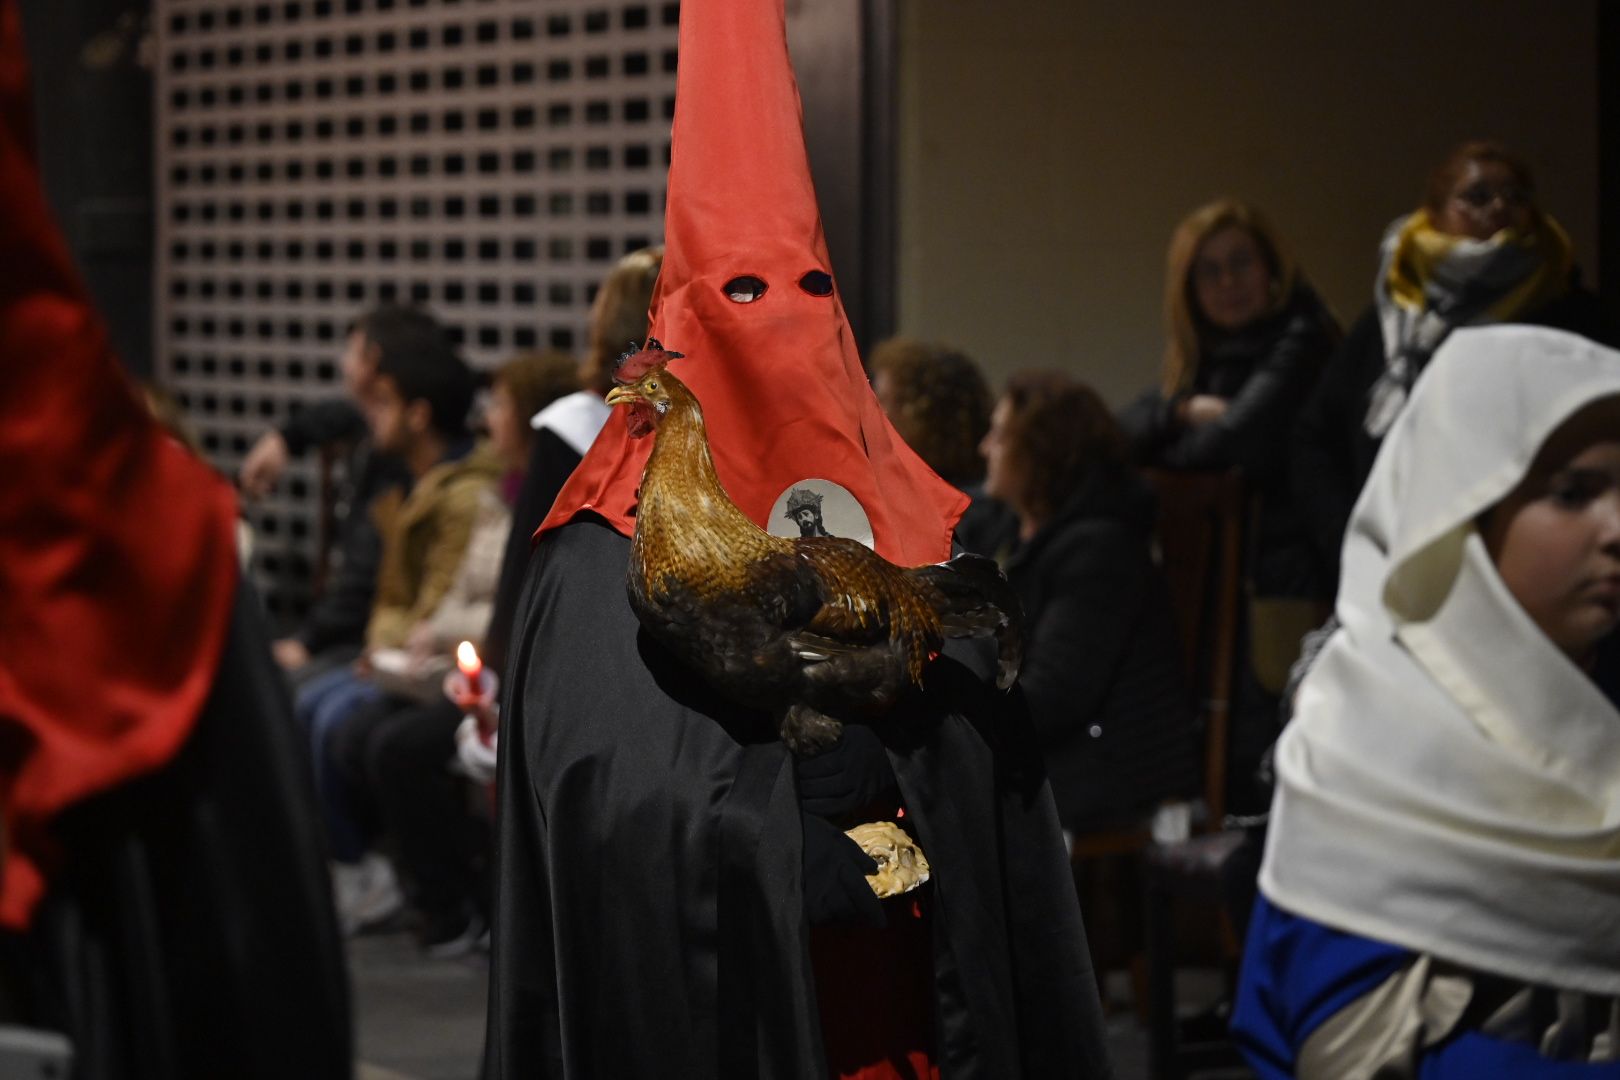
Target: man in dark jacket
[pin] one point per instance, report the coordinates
(333, 630)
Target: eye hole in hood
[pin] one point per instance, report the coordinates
(745, 289)
(817, 283)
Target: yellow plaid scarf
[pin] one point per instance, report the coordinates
(1424, 254)
(1430, 283)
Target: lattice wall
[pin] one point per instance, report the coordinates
(488, 158)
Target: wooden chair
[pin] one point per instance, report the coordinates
(1199, 538)
(1200, 534)
(1202, 524)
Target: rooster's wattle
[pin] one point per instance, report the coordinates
(817, 630)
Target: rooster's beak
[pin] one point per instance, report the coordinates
(621, 395)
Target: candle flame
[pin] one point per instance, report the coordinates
(467, 656)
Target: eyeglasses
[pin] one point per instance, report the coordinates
(1481, 195)
(1210, 271)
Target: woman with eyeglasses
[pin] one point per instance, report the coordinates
(1246, 339)
(1479, 250)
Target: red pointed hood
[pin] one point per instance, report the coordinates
(784, 394)
(117, 547)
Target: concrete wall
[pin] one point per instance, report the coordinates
(1049, 147)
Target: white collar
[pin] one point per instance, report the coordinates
(576, 419)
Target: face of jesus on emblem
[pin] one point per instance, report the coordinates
(816, 507)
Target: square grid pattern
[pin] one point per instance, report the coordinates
(489, 159)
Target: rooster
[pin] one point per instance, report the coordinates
(817, 630)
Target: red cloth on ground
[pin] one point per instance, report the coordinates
(783, 392)
(117, 547)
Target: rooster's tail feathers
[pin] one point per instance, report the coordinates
(979, 602)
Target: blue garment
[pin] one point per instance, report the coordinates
(1298, 973)
(325, 704)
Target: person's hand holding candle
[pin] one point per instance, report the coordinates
(471, 687)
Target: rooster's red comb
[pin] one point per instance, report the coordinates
(637, 360)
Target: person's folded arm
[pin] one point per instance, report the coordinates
(322, 423)
(1259, 418)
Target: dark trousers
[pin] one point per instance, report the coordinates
(401, 755)
(189, 932)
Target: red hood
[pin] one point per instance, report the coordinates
(784, 395)
(117, 547)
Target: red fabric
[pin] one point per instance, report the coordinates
(875, 992)
(117, 547)
(783, 391)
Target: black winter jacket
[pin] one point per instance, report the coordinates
(1102, 670)
(1266, 373)
(339, 617)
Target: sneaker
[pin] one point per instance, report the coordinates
(368, 894)
(451, 939)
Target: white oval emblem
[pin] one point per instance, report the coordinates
(817, 507)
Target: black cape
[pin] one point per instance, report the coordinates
(189, 934)
(649, 910)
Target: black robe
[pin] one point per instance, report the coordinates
(649, 913)
(189, 933)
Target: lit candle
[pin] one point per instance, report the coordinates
(467, 660)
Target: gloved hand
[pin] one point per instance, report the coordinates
(835, 869)
(846, 776)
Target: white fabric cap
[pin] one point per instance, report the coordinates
(1450, 782)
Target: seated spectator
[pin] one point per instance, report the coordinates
(1440, 887)
(416, 407)
(393, 753)
(1247, 338)
(938, 401)
(1478, 250)
(1102, 668)
(332, 633)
